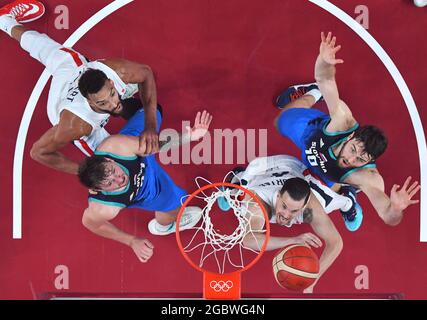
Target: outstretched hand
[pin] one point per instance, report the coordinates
(201, 125)
(142, 248)
(401, 199)
(328, 49)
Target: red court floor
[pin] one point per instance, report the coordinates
(232, 58)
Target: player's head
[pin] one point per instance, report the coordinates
(291, 200)
(364, 145)
(99, 173)
(100, 92)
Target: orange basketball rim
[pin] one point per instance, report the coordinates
(226, 285)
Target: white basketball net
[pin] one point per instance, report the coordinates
(214, 242)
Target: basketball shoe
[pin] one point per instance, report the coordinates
(23, 11)
(420, 3)
(222, 201)
(293, 93)
(189, 219)
(354, 216)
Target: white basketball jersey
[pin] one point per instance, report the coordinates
(266, 176)
(73, 101)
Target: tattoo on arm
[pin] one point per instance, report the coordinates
(307, 215)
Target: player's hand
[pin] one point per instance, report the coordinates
(328, 49)
(148, 142)
(201, 125)
(401, 199)
(142, 248)
(310, 239)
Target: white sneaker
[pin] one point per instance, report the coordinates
(189, 219)
(420, 3)
(24, 10)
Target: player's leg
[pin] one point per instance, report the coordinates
(166, 218)
(295, 103)
(18, 31)
(343, 200)
(234, 176)
(352, 216)
(299, 96)
(293, 123)
(17, 12)
(59, 61)
(39, 46)
(42, 48)
(164, 223)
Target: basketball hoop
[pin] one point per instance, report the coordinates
(223, 254)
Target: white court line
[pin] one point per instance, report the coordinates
(31, 105)
(404, 91)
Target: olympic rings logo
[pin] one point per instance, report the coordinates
(223, 286)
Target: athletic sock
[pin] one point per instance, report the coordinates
(339, 202)
(7, 23)
(315, 93)
(347, 204)
(162, 228)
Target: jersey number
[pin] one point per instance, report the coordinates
(311, 158)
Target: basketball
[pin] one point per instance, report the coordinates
(296, 267)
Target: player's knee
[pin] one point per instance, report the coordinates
(340, 244)
(278, 120)
(84, 222)
(337, 244)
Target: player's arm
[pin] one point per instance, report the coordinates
(256, 237)
(96, 218)
(46, 149)
(390, 209)
(324, 227)
(129, 145)
(133, 72)
(324, 73)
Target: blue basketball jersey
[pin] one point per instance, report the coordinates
(318, 154)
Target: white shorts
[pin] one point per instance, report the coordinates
(62, 63)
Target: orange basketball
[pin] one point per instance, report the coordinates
(295, 267)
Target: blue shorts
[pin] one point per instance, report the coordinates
(293, 124)
(158, 192)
